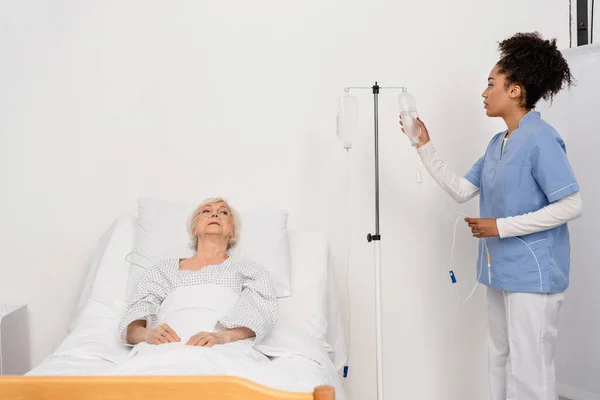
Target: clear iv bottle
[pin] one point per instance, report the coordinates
(408, 113)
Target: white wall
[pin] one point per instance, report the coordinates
(105, 101)
(575, 115)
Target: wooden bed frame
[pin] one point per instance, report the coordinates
(147, 388)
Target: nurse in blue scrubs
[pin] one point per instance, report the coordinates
(528, 193)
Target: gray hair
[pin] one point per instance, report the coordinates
(196, 214)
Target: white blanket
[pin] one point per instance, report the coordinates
(286, 359)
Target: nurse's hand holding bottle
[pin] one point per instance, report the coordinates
(480, 227)
(424, 137)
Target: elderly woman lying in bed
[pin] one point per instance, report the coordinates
(206, 300)
(213, 314)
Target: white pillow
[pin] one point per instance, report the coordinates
(162, 233)
(306, 309)
(314, 305)
(108, 271)
(93, 266)
(284, 340)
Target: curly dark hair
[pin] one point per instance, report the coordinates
(526, 59)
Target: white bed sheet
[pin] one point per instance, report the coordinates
(72, 366)
(92, 347)
(299, 363)
(306, 374)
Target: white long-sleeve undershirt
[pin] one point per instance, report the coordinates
(461, 190)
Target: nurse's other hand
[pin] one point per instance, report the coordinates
(483, 227)
(206, 339)
(162, 334)
(424, 138)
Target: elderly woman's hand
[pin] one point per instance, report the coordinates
(162, 334)
(207, 339)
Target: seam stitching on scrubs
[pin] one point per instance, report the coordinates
(508, 330)
(476, 178)
(553, 193)
(536, 261)
(489, 342)
(537, 241)
(544, 376)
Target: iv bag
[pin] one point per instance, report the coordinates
(408, 113)
(347, 120)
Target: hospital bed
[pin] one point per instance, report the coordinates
(81, 366)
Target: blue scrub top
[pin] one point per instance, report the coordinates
(531, 172)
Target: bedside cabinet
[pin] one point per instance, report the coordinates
(14, 340)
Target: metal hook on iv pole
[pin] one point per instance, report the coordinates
(348, 88)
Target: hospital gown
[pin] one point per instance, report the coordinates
(256, 306)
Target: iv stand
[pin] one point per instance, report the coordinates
(377, 237)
